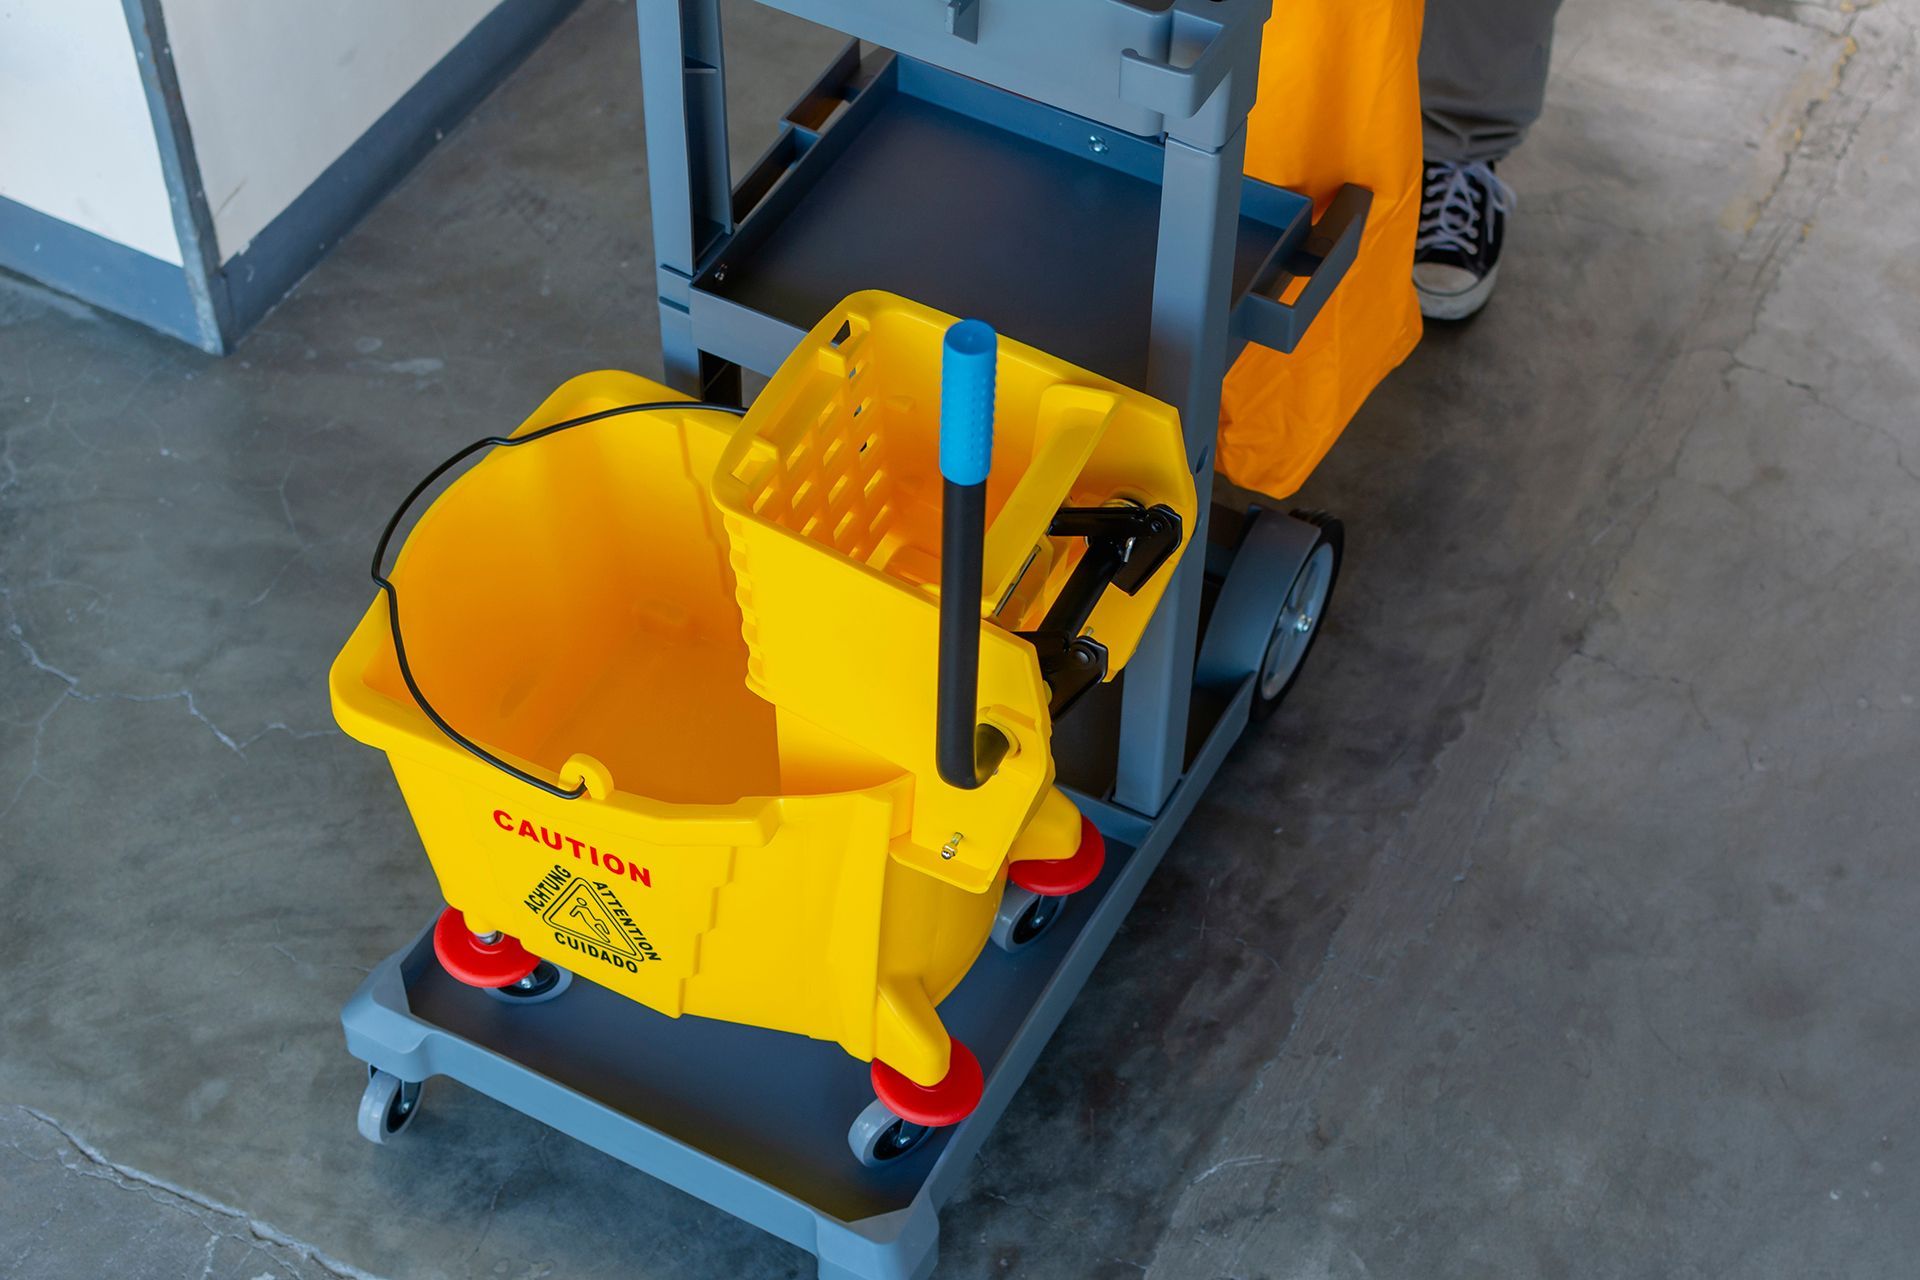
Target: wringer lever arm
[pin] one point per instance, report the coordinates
(966, 752)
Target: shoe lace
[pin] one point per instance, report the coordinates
(1450, 205)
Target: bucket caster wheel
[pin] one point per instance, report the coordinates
(1298, 625)
(1036, 892)
(387, 1106)
(878, 1137)
(1024, 917)
(547, 981)
(904, 1113)
(1059, 877)
(490, 960)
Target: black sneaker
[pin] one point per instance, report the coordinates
(1463, 218)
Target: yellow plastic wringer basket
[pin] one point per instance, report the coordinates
(700, 647)
(832, 496)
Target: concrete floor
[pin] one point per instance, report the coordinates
(1561, 926)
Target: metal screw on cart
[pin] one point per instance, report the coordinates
(952, 846)
(1304, 623)
(1098, 144)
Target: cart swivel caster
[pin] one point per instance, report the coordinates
(493, 960)
(1023, 918)
(388, 1105)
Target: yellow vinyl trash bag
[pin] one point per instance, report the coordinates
(1339, 102)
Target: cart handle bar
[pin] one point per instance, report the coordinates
(393, 595)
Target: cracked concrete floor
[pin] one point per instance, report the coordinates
(1561, 925)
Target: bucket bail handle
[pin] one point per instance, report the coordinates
(592, 777)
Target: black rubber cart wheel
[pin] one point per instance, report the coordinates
(1298, 624)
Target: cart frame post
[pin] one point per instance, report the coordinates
(1187, 357)
(683, 82)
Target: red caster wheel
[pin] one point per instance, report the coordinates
(949, 1102)
(1063, 876)
(499, 963)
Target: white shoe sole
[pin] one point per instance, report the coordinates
(1457, 305)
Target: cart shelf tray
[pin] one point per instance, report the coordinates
(893, 174)
(755, 1121)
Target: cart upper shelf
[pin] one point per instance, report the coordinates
(892, 174)
(1147, 66)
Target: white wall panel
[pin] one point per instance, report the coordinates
(76, 137)
(277, 90)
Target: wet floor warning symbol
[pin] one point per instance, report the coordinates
(580, 913)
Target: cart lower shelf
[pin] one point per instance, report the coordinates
(753, 1121)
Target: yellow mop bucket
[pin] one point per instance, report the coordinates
(568, 616)
(833, 496)
(615, 769)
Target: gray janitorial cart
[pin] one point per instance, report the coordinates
(1069, 172)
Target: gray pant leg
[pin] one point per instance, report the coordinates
(1483, 73)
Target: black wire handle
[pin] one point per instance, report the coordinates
(393, 595)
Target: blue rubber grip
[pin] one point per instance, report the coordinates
(966, 401)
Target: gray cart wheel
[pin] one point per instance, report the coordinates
(547, 981)
(879, 1137)
(1298, 623)
(1024, 916)
(388, 1105)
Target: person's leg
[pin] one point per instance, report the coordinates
(1483, 75)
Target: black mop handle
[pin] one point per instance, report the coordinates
(966, 455)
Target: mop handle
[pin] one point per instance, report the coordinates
(966, 454)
